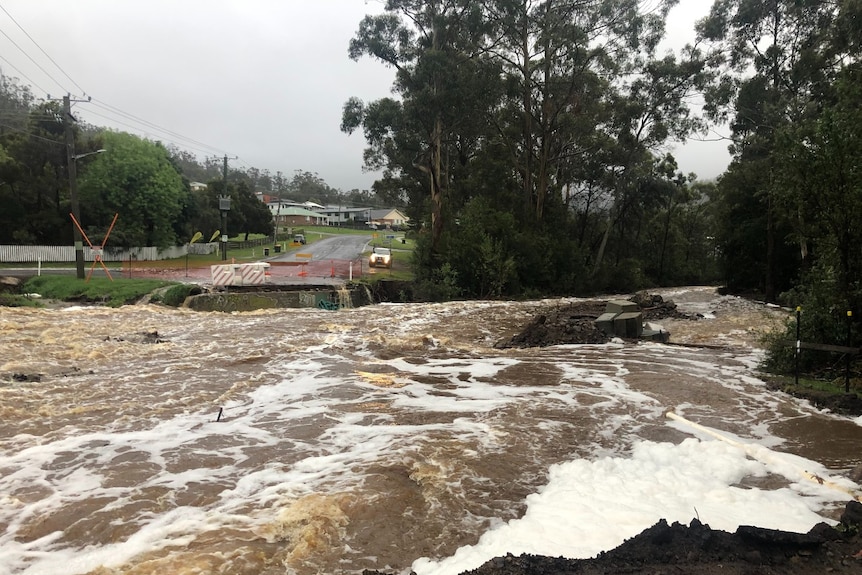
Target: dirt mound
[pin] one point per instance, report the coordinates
(572, 323)
(697, 549)
(676, 548)
(655, 307)
(575, 323)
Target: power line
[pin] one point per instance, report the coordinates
(151, 133)
(22, 74)
(32, 135)
(41, 50)
(148, 127)
(44, 71)
(132, 117)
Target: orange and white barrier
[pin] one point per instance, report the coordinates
(254, 274)
(240, 274)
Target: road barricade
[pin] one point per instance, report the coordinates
(240, 274)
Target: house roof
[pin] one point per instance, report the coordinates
(383, 214)
(344, 209)
(297, 211)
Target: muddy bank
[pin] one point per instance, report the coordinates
(847, 404)
(696, 548)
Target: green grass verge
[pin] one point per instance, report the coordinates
(15, 300)
(115, 293)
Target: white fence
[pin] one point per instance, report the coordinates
(28, 254)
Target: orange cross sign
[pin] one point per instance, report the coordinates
(97, 250)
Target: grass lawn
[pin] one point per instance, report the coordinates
(98, 290)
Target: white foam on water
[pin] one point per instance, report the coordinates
(591, 506)
(314, 425)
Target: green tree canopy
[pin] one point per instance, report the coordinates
(135, 179)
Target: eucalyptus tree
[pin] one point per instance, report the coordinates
(529, 104)
(569, 63)
(591, 102)
(822, 183)
(775, 64)
(443, 83)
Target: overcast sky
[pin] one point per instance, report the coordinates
(262, 80)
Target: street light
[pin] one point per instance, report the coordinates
(76, 209)
(79, 156)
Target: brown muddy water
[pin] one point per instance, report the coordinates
(385, 437)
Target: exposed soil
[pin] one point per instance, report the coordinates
(696, 548)
(848, 404)
(575, 323)
(571, 323)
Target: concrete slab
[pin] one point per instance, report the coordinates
(629, 324)
(605, 322)
(620, 306)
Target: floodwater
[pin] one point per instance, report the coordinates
(162, 441)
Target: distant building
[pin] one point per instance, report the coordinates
(285, 213)
(345, 215)
(197, 186)
(391, 218)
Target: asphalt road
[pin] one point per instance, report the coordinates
(339, 247)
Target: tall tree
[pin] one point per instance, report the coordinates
(822, 184)
(432, 46)
(774, 67)
(134, 178)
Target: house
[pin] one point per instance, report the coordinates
(291, 214)
(344, 215)
(389, 218)
(197, 186)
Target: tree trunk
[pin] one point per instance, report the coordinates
(527, 102)
(436, 184)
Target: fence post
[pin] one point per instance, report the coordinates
(847, 356)
(798, 340)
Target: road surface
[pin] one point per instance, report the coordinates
(339, 247)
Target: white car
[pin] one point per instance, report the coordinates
(381, 257)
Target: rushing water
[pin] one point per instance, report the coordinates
(386, 437)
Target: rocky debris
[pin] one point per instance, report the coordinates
(698, 549)
(10, 284)
(48, 375)
(655, 307)
(146, 337)
(575, 323)
(570, 324)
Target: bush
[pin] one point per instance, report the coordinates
(823, 320)
(176, 295)
(441, 286)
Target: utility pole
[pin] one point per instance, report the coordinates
(224, 207)
(73, 185)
